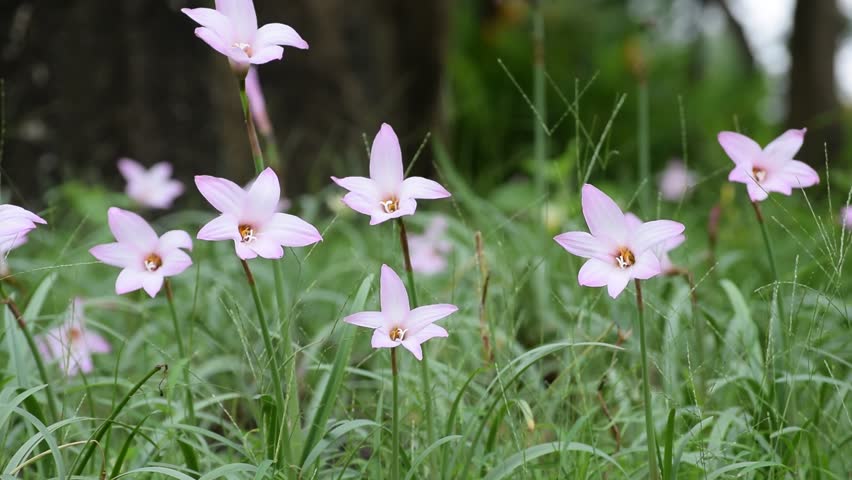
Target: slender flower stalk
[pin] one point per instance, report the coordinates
(395, 419)
(190, 406)
(653, 472)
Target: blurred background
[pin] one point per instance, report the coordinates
(88, 81)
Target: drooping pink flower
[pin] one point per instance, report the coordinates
(15, 223)
(153, 188)
(617, 251)
(144, 258)
(675, 181)
(387, 193)
(846, 217)
(396, 324)
(231, 29)
(771, 169)
(250, 218)
(429, 249)
(71, 343)
(257, 103)
(661, 250)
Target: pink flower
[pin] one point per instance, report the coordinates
(257, 104)
(231, 29)
(397, 324)
(152, 188)
(618, 251)
(387, 193)
(428, 250)
(15, 223)
(71, 343)
(771, 169)
(846, 217)
(661, 250)
(145, 259)
(250, 217)
(675, 181)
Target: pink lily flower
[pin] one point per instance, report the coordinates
(257, 103)
(618, 251)
(387, 193)
(846, 217)
(771, 169)
(144, 258)
(661, 250)
(231, 29)
(153, 188)
(250, 218)
(675, 181)
(429, 249)
(72, 344)
(15, 223)
(397, 324)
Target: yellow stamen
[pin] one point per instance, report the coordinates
(153, 262)
(397, 334)
(390, 205)
(625, 258)
(247, 234)
(759, 174)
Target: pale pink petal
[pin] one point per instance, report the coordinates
(386, 160)
(83, 360)
(617, 282)
(257, 103)
(96, 343)
(776, 183)
(632, 221)
(426, 333)
(9, 211)
(362, 204)
(161, 170)
(290, 231)
(264, 194)
(243, 251)
(242, 16)
(130, 169)
(604, 218)
(131, 229)
(225, 195)
(266, 248)
(596, 273)
(278, 34)
(266, 55)
(363, 186)
(381, 339)
(652, 233)
(419, 187)
(673, 242)
(741, 173)
(218, 43)
(15, 226)
(366, 319)
(647, 265)
(152, 282)
(420, 317)
(413, 346)
(116, 254)
(585, 245)
(174, 263)
(755, 192)
(786, 146)
(223, 227)
(846, 217)
(799, 174)
(175, 239)
(394, 297)
(212, 19)
(739, 147)
(128, 280)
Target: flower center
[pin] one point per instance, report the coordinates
(397, 334)
(75, 334)
(245, 47)
(625, 258)
(759, 174)
(390, 205)
(153, 262)
(247, 234)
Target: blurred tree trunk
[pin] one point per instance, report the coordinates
(89, 81)
(812, 98)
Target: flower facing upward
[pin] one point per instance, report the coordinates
(257, 104)
(145, 259)
(71, 343)
(251, 219)
(662, 249)
(846, 217)
(387, 193)
(428, 250)
(397, 324)
(675, 181)
(618, 251)
(231, 29)
(153, 188)
(771, 169)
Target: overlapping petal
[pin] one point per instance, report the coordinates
(131, 230)
(291, 231)
(655, 232)
(739, 147)
(604, 218)
(225, 195)
(279, 34)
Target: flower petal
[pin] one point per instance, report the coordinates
(290, 231)
(266, 55)
(394, 297)
(381, 339)
(755, 192)
(741, 173)
(786, 146)
(266, 248)
(174, 263)
(211, 19)
(116, 254)
(420, 317)
(739, 147)
(263, 195)
(799, 174)
(243, 250)
(604, 218)
(407, 206)
(279, 34)
(585, 245)
(427, 333)
(152, 282)
(647, 265)
(174, 239)
(96, 343)
(413, 346)
(128, 280)
(221, 45)
(129, 168)
(386, 160)
(366, 319)
(366, 187)
(131, 229)
(362, 204)
(617, 282)
(595, 273)
(419, 187)
(242, 16)
(652, 233)
(225, 195)
(8, 212)
(223, 227)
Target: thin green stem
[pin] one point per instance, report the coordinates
(424, 364)
(190, 407)
(539, 98)
(19, 318)
(99, 433)
(395, 419)
(644, 139)
(653, 472)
